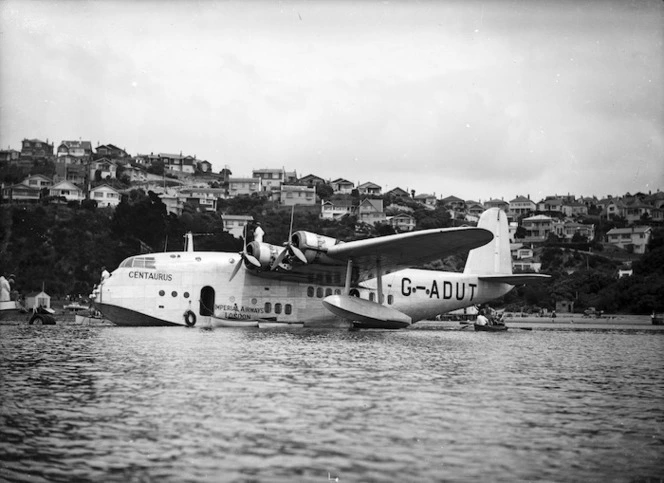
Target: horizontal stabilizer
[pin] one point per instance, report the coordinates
(361, 310)
(515, 279)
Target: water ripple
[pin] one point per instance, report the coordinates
(174, 404)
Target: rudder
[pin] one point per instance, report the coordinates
(494, 257)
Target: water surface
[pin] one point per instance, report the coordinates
(177, 404)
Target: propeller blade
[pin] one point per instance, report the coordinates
(238, 265)
(253, 260)
(279, 259)
(297, 253)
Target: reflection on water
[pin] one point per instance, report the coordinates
(176, 404)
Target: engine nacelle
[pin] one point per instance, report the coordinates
(264, 253)
(314, 247)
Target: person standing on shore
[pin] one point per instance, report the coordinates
(258, 233)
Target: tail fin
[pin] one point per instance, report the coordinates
(494, 258)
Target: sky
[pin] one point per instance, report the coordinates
(476, 99)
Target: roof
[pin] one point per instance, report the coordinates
(450, 199)
(342, 181)
(243, 180)
(538, 218)
(65, 185)
(397, 190)
(102, 186)
(625, 231)
(268, 170)
(427, 196)
(368, 184)
(77, 144)
(522, 199)
(35, 140)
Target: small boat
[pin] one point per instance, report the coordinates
(657, 319)
(11, 310)
(75, 307)
(490, 328)
(89, 319)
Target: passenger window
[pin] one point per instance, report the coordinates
(277, 308)
(337, 291)
(310, 291)
(268, 307)
(289, 309)
(328, 291)
(319, 292)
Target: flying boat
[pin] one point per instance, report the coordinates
(315, 280)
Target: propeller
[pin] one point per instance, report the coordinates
(246, 257)
(290, 250)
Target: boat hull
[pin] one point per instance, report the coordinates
(490, 328)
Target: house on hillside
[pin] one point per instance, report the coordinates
(178, 163)
(36, 149)
(335, 209)
(9, 156)
(311, 180)
(77, 149)
(205, 199)
(495, 203)
(538, 228)
(520, 206)
(105, 196)
(67, 190)
(427, 200)
(244, 186)
(453, 203)
(342, 186)
(634, 239)
(291, 195)
(398, 193)
(21, 193)
(369, 188)
(38, 181)
(205, 166)
(402, 222)
(111, 151)
(271, 178)
(371, 212)
(103, 168)
(234, 224)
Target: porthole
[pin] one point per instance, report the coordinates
(174, 293)
(288, 309)
(162, 293)
(310, 291)
(319, 292)
(328, 292)
(268, 307)
(186, 295)
(277, 308)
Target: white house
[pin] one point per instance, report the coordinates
(271, 179)
(634, 239)
(297, 195)
(334, 209)
(68, 190)
(105, 196)
(244, 186)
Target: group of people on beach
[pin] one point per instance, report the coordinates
(488, 316)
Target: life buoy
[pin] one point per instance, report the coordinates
(190, 318)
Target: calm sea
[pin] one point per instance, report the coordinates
(174, 404)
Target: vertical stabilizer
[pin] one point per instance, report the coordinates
(494, 257)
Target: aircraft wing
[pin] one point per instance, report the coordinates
(408, 249)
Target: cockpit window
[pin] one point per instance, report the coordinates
(138, 262)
